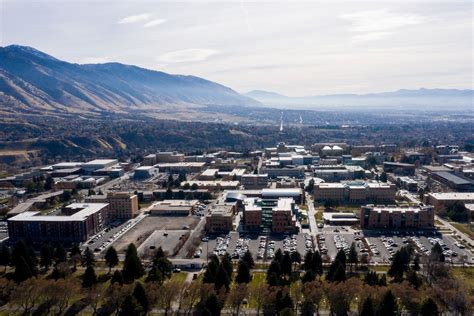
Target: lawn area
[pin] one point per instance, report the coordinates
(258, 277)
(319, 216)
(465, 274)
(465, 228)
(181, 276)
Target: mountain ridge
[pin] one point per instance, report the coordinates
(32, 81)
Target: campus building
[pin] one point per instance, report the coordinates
(220, 216)
(76, 223)
(173, 207)
(254, 181)
(355, 192)
(276, 216)
(444, 200)
(122, 205)
(396, 217)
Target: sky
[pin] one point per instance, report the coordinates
(297, 48)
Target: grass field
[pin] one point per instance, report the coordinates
(466, 274)
(464, 228)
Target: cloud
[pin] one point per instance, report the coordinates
(373, 36)
(380, 20)
(134, 18)
(187, 55)
(154, 22)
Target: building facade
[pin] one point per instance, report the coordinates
(396, 217)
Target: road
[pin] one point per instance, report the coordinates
(311, 213)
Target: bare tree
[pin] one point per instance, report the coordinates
(26, 295)
(94, 295)
(191, 296)
(169, 293)
(313, 292)
(236, 296)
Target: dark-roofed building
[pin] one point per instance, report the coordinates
(399, 168)
(453, 181)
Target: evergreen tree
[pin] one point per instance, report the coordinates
(88, 259)
(383, 177)
(247, 257)
(211, 270)
(353, 258)
(414, 279)
(286, 264)
(226, 262)
(317, 263)
(222, 278)
(212, 305)
(89, 278)
(46, 256)
(429, 308)
(111, 258)
(5, 256)
(416, 263)
(278, 255)
(164, 266)
(337, 269)
(371, 278)
(132, 265)
(130, 307)
(21, 252)
(155, 275)
(368, 308)
(60, 254)
(274, 273)
(117, 277)
(140, 295)
(308, 261)
(282, 301)
(437, 253)
(295, 257)
(388, 305)
(243, 273)
(22, 270)
(75, 256)
(308, 276)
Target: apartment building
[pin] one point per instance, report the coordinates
(396, 217)
(122, 205)
(254, 181)
(76, 223)
(355, 192)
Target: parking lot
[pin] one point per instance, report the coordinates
(262, 247)
(168, 240)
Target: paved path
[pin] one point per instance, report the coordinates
(311, 212)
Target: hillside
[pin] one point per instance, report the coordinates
(34, 82)
(404, 99)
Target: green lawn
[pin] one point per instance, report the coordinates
(464, 228)
(465, 274)
(181, 276)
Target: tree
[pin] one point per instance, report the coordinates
(286, 264)
(317, 263)
(26, 295)
(222, 278)
(368, 307)
(46, 256)
(313, 292)
(308, 261)
(169, 291)
(274, 273)
(60, 254)
(353, 258)
(22, 270)
(236, 297)
(75, 256)
(248, 259)
(22, 254)
(111, 258)
(337, 269)
(283, 301)
(226, 262)
(310, 186)
(89, 278)
(212, 305)
(295, 258)
(155, 275)
(117, 277)
(429, 308)
(130, 307)
(211, 270)
(140, 295)
(132, 265)
(243, 273)
(416, 263)
(436, 254)
(88, 259)
(383, 177)
(388, 305)
(5, 256)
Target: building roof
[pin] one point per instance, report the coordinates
(84, 210)
(100, 162)
(453, 196)
(281, 192)
(453, 178)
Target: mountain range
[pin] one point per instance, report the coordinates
(404, 99)
(34, 82)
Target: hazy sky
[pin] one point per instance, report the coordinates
(291, 47)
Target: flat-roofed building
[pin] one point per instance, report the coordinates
(396, 217)
(177, 167)
(149, 160)
(283, 218)
(275, 172)
(453, 181)
(355, 192)
(213, 185)
(340, 218)
(220, 217)
(252, 214)
(96, 164)
(399, 168)
(145, 172)
(254, 181)
(274, 194)
(122, 205)
(169, 156)
(444, 200)
(76, 223)
(173, 207)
